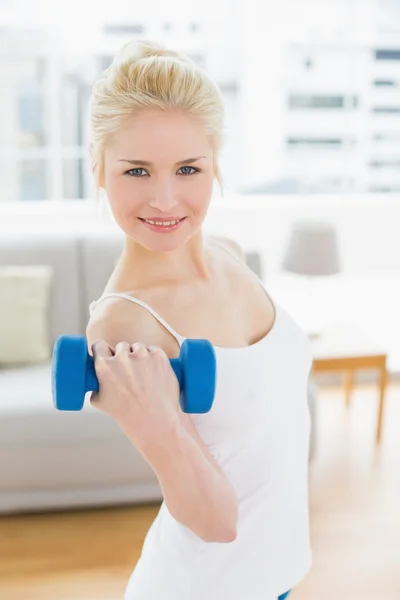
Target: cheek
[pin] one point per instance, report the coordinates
(201, 195)
(120, 194)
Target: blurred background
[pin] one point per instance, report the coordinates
(311, 169)
(327, 72)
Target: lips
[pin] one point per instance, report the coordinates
(162, 225)
(161, 219)
(162, 222)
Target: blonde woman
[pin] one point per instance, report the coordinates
(233, 523)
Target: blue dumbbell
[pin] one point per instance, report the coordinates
(74, 374)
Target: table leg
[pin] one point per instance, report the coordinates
(348, 387)
(382, 389)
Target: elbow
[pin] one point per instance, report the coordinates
(224, 536)
(223, 533)
(229, 535)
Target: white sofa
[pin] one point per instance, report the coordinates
(51, 459)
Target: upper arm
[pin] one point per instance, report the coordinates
(119, 320)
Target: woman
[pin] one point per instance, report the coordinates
(234, 519)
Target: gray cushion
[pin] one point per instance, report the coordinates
(61, 252)
(254, 261)
(42, 447)
(99, 254)
(26, 400)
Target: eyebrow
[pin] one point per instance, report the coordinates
(147, 164)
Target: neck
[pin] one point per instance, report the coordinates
(142, 268)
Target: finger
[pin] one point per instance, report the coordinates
(101, 349)
(139, 349)
(122, 347)
(156, 351)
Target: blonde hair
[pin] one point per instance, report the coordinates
(146, 75)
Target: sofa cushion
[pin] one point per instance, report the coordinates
(43, 448)
(24, 307)
(26, 400)
(60, 252)
(99, 254)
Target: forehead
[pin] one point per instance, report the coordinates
(158, 135)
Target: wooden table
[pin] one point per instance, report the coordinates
(346, 348)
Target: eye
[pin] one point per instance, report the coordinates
(136, 171)
(194, 170)
(132, 174)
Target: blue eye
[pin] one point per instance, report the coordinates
(193, 170)
(130, 172)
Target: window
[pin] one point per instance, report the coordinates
(199, 59)
(392, 110)
(30, 114)
(300, 142)
(75, 175)
(377, 164)
(299, 101)
(295, 114)
(384, 189)
(32, 180)
(386, 137)
(105, 61)
(128, 29)
(387, 54)
(384, 83)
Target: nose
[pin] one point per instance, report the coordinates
(163, 197)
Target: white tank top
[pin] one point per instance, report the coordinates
(258, 431)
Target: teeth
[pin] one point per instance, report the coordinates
(162, 224)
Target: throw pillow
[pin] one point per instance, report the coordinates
(24, 309)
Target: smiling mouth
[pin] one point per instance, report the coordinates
(162, 222)
(162, 226)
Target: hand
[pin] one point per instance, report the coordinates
(138, 388)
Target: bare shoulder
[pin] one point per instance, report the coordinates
(230, 245)
(117, 319)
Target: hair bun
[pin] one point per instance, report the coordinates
(137, 49)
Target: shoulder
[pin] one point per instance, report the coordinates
(119, 320)
(230, 245)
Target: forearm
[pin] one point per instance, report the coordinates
(196, 493)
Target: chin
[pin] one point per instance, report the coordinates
(154, 242)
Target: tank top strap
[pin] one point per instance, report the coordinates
(179, 338)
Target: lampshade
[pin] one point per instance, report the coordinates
(312, 249)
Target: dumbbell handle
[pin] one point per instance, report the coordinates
(92, 383)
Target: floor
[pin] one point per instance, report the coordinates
(355, 522)
(354, 503)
